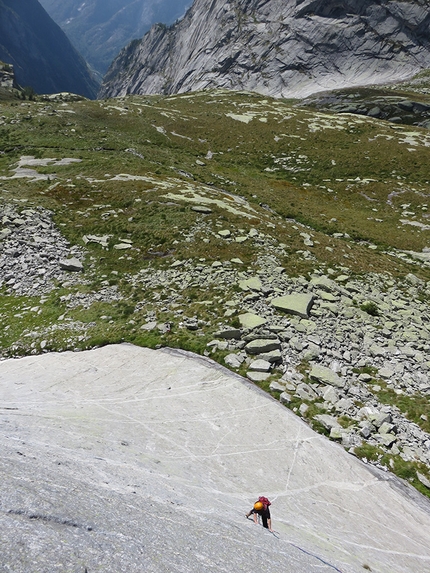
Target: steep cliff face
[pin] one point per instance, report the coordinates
(279, 47)
(100, 29)
(40, 52)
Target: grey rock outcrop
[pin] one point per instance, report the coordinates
(7, 76)
(279, 48)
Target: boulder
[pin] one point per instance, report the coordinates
(296, 304)
(324, 283)
(275, 386)
(303, 409)
(228, 333)
(224, 233)
(336, 433)
(122, 246)
(102, 240)
(149, 326)
(250, 320)
(285, 398)
(311, 352)
(257, 376)
(72, 264)
(386, 372)
(386, 428)
(201, 209)
(261, 366)
(326, 376)
(306, 392)
(331, 395)
(327, 421)
(386, 440)
(379, 418)
(262, 345)
(344, 405)
(273, 356)
(422, 478)
(4, 233)
(253, 283)
(234, 360)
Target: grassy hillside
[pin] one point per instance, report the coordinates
(171, 202)
(359, 185)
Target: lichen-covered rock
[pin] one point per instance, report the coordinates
(298, 304)
(260, 346)
(326, 376)
(253, 283)
(257, 376)
(260, 366)
(327, 421)
(228, 333)
(250, 320)
(234, 360)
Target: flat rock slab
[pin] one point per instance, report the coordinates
(250, 320)
(257, 376)
(130, 459)
(228, 333)
(262, 345)
(260, 366)
(297, 304)
(326, 376)
(254, 283)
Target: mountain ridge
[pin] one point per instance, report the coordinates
(40, 52)
(99, 30)
(279, 49)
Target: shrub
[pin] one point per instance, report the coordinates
(370, 307)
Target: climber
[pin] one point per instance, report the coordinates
(261, 507)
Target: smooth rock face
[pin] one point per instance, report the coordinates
(129, 459)
(282, 48)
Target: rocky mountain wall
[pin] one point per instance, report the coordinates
(276, 48)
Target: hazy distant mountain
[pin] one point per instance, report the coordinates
(278, 47)
(40, 52)
(101, 28)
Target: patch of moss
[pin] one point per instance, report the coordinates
(415, 408)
